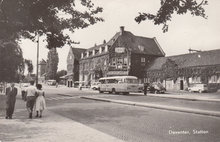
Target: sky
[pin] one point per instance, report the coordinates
(185, 31)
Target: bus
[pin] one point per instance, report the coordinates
(120, 84)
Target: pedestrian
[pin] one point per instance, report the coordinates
(30, 94)
(11, 93)
(40, 104)
(80, 86)
(145, 88)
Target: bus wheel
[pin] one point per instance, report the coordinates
(113, 91)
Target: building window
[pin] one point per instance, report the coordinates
(141, 48)
(125, 60)
(90, 53)
(213, 79)
(113, 61)
(142, 59)
(103, 49)
(120, 60)
(96, 51)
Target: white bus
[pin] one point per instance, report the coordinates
(120, 84)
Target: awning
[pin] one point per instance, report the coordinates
(66, 76)
(117, 73)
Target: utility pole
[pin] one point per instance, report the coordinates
(37, 59)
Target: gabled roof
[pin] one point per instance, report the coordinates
(205, 58)
(150, 45)
(110, 42)
(77, 52)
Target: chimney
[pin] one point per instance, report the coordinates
(122, 29)
(104, 42)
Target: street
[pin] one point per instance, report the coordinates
(134, 123)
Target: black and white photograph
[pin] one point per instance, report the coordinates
(109, 71)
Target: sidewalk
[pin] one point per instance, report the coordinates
(50, 128)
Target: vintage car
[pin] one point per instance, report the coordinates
(198, 88)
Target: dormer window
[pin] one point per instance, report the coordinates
(141, 48)
(96, 51)
(142, 59)
(90, 53)
(103, 49)
(84, 54)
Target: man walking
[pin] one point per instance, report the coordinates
(11, 93)
(31, 91)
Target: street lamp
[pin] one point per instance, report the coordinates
(37, 59)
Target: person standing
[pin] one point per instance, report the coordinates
(40, 104)
(30, 94)
(145, 88)
(11, 93)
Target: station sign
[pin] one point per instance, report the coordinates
(119, 49)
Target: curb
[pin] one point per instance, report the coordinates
(183, 98)
(164, 107)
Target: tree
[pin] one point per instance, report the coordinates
(59, 74)
(29, 65)
(28, 18)
(169, 7)
(52, 63)
(11, 61)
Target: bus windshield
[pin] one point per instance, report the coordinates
(129, 80)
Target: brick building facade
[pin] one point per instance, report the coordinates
(73, 66)
(180, 71)
(123, 54)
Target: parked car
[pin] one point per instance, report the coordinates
(51, 82)
(198, 88)
(95, 85)
(156, 88)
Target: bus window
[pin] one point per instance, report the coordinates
(128, 80)
(102, 81)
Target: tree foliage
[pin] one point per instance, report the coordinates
(11, 61)
(169, 7)
(29, 65)
(59, 74)
(27, 18)
(52, 64)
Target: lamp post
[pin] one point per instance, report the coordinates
(37, 59)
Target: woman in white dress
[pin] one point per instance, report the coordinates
(40, 103)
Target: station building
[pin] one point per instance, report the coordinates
(124, 54)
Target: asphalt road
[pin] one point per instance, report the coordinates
(136, 124)
(132, 123)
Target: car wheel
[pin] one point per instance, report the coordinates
(100, 91)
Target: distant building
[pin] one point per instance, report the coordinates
(123, 54)
(42, 70)
(178, 72)
(73, 66)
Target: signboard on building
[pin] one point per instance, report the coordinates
(119, 49)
